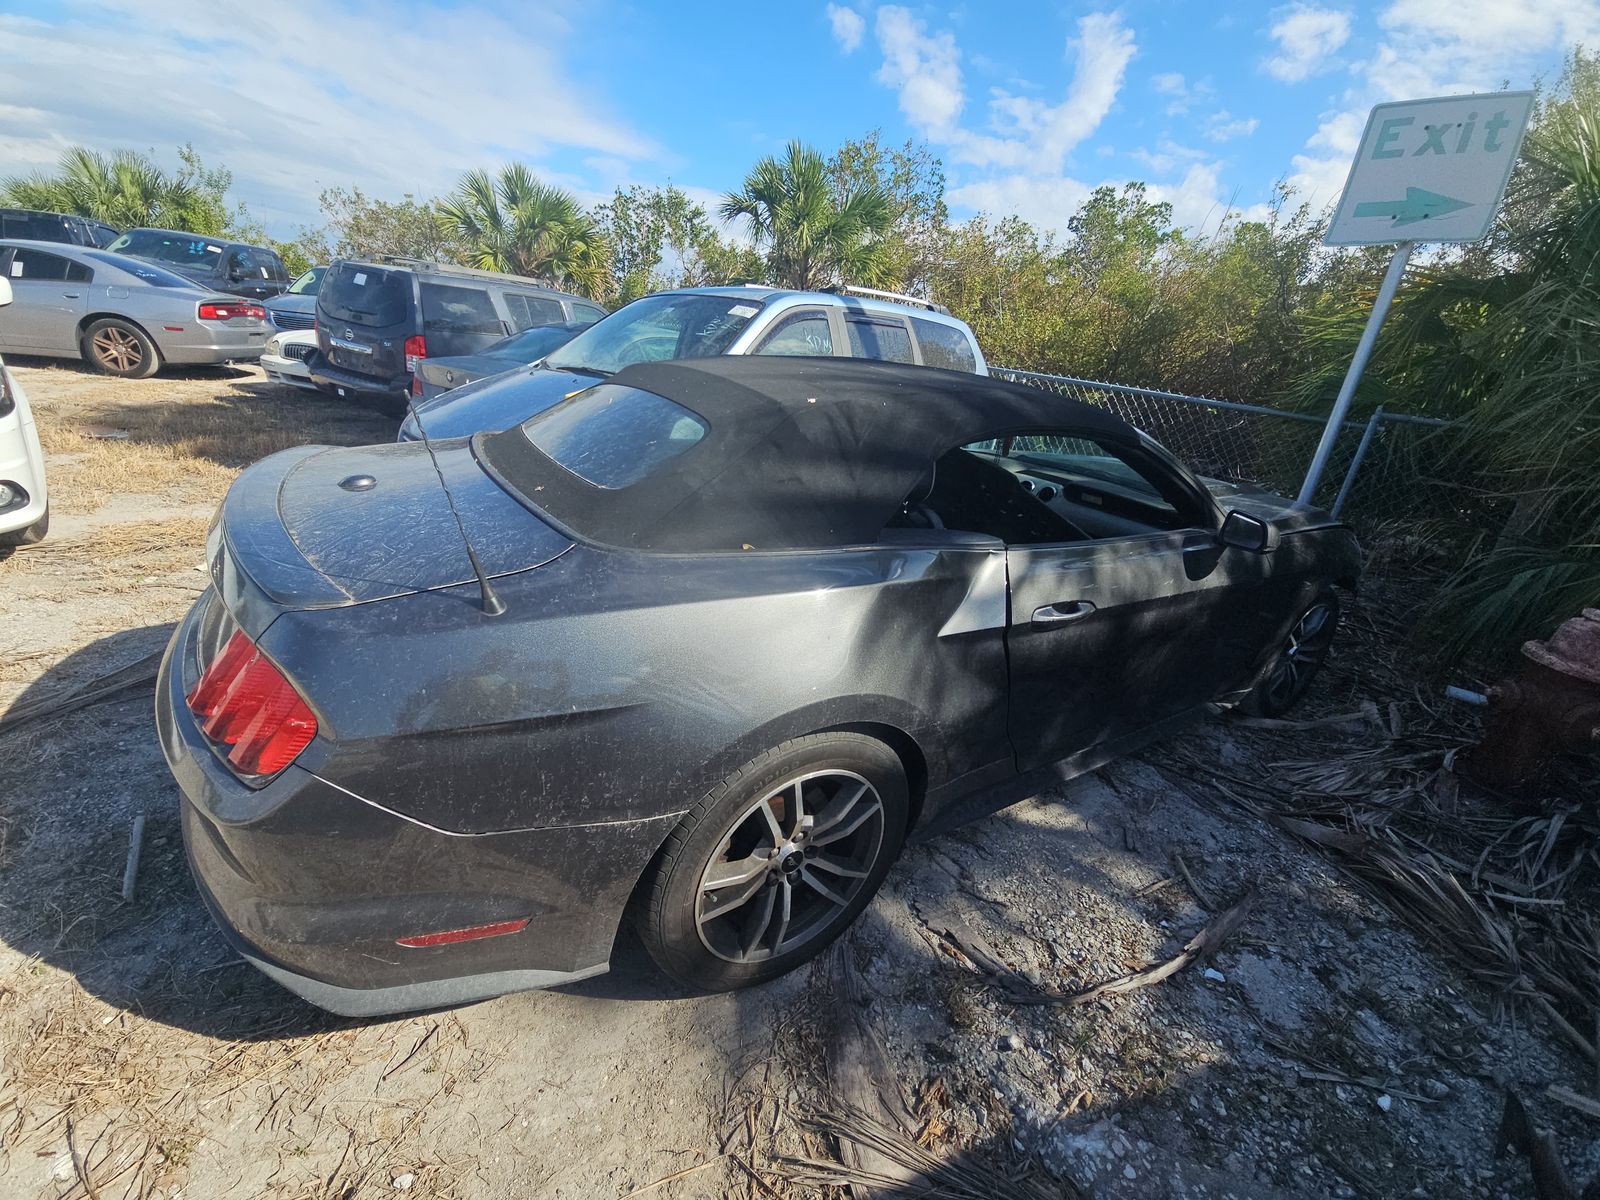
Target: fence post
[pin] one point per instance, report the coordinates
(1355, 463)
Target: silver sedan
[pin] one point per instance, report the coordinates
(122, 315)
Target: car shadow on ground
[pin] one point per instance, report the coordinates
(219, 371)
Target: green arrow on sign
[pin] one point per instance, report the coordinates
(1419, 205)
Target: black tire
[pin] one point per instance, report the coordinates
(678, 920)
(32, 535)
(116, 347)
(1302, 654)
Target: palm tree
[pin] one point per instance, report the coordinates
(813, 234)
(513, 222)
(124, 190)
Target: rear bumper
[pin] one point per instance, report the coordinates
(214, 342)
(287, 370)
(328, 375)
(313, 885)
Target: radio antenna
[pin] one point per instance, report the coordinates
(489, 599)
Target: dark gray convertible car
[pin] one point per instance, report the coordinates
(752, 622)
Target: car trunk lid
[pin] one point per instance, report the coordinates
(310, 531)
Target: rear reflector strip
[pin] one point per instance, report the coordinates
(472, 933)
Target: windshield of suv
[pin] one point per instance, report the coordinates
(673, 325)
(365, 295)
(178, 249)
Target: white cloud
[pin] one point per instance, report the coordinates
(1222, 127)
(1044, 202)
(1167, 155)
(925, 69)
(1439, 47)
(1183, 93)
(294, 112)
(848, 27)
(1307, 38)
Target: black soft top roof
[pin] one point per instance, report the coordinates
(799, 453)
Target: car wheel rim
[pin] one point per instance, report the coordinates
(788, 866)
(1302, 654)
(118, 349)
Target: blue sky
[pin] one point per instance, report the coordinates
(1029, 104)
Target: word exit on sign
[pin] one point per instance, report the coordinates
(1431, 170)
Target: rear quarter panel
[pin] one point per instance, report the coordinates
(618, 687)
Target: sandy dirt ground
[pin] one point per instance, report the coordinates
(1329, 1049)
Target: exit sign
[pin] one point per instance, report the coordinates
(1431, 170)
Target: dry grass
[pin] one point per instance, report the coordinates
(123, 550)
(182, 440)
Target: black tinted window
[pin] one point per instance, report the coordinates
(888, 341)
(36, 264)
(527, 311)
(613, 436)
(458, 320)
(36, 227)
(365, 295)
(944, 346)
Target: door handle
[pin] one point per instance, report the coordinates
(1060, 614)
(72, 295)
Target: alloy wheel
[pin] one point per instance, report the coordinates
(118, 349)
(1301, 655)
(789, 865)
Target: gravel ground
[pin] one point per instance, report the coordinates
(1323, 1052)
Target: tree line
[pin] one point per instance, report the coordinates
(1501, 336)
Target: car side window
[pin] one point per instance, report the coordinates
(800, 335)
(884, 339)
(587, 312)
(31, 265)
(1053, 486)
(944, 346)
(527, 311)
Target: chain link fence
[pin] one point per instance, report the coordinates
(1380, 471)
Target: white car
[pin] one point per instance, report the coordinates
(284, 359)
(24, 502)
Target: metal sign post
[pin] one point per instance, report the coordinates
(1358, 363)
(1425, 171)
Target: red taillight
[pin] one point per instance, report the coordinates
(471, 934)
(226, 312)
(243, 702)
(416, 350)
(416, 385)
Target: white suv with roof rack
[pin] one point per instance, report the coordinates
(846, 322)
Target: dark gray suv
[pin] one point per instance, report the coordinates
(215, 263)
(377, 320)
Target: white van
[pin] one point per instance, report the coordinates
(24, 502)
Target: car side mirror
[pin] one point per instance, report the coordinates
(5, 291)
(1246, 532)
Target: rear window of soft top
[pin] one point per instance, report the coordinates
(612, 436)
(365, 295)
